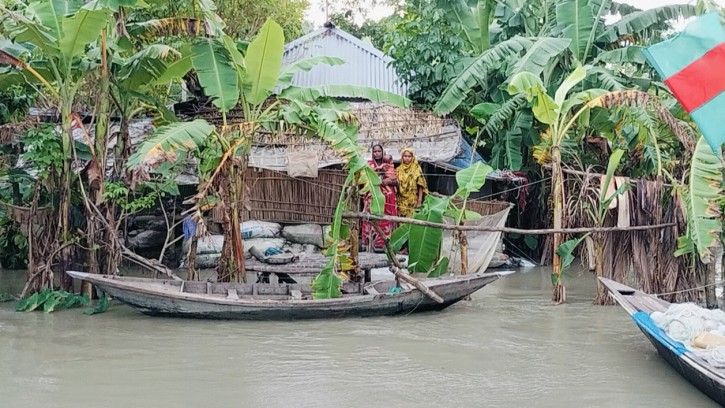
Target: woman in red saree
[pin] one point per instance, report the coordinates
(388, 187)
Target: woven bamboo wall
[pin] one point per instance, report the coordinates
(277, 197)
(487, 207)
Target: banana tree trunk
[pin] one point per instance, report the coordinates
(602, 297)
(231, 264)
(96, 176)
(66, 254)
(559, 291)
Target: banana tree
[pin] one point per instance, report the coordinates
(556, 114)
(60, 33)
(703, 197)
(246, 80)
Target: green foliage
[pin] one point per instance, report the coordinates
(701, 196)
(101, 306)
(118, 193)
(567, 248)
(304, 65)
(263, 62)
(244, 18)
(15, 101)
(216, 74)
(425, 242)
(326, 285)
(640, 21)
(566, 252)
(575, 19)
(540, 53)
(51, 300)
(373, 31)
(480, 67)
(426, 47)
(346, 91)
(180, 137)
(13, 245)
(45, 151)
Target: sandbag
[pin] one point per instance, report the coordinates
(304, 234)
(260, 229)
(209, 244)
(263, 244)
(203, 261)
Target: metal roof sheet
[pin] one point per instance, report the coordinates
(364, 64)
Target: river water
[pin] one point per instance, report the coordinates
(508, 347)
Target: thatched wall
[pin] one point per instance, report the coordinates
(274, 196)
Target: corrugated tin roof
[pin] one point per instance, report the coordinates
(364, 64)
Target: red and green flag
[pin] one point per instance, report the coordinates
(692, 63)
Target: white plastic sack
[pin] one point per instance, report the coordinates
(210, 244)
(203, 261)
(304, 234)
(260, 229)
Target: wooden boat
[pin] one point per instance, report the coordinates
(266, 301)
(708, 379)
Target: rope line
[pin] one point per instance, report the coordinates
(684, 290)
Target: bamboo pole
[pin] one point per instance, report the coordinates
(581, 230)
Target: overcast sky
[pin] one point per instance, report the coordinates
(316, 14)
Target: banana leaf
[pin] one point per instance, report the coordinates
(471, 179)
(566, 251)
(326, 285)
(704, 225)
(304, 65)
(344, 91)
(574, 78)
(83, 28)
(544, 108)
(219, 79)
(642, 20)
(399, 237)
(263, 62)
(575, 19)
(440, 268)
(460, 87)
(539, 54)
(180, 136)
(425, 242)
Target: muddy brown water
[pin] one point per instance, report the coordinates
(508, 347)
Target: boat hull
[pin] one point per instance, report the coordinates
(706, 378)
(162, 303)
(701, 380)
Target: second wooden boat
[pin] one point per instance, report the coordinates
(703, 375)
(267, 301)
